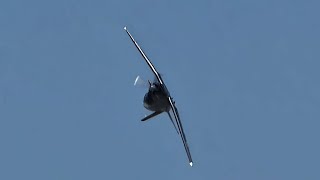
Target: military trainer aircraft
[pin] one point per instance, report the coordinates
(158, 99)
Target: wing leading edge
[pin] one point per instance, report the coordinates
(181, 131)
(172, 104)
(155, 72)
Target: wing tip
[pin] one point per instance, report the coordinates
(191, 164)
(125, 28)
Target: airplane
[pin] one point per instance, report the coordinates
(159, 100)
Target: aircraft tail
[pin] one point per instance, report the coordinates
(152, 115)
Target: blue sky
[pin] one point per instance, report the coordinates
(244, 74)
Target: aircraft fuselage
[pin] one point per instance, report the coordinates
(156, 99)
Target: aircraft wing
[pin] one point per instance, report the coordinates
(181, 131)
(155, 72)
(172, 104)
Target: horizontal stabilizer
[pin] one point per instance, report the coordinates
(151, 115)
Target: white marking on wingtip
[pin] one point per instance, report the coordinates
(191, 164)
(125, 28)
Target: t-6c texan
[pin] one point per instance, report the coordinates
(158, 100)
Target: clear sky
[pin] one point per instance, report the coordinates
(244, 75)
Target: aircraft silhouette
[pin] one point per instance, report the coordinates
(158, 99)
